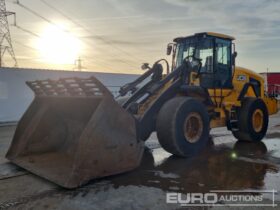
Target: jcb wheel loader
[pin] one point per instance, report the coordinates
(75, 130)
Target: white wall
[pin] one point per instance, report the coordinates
(15, 95)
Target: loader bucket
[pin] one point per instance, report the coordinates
(74, 131)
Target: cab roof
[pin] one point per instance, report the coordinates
(223, 36)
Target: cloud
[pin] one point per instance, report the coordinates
(136, 26)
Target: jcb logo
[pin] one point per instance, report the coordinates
(241, 77)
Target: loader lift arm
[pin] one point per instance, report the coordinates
(156, 72)
(178, 78)
(157, 82)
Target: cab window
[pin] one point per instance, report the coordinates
(205, 53)
(223, 53)
(223, 64)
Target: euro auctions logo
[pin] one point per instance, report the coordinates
(222, 198)
(192, 198)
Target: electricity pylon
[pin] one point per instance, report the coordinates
(78, 64)
(5, 37)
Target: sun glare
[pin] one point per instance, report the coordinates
(58, 47)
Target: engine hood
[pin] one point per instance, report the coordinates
(249, 72)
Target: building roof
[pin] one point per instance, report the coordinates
(219, 35)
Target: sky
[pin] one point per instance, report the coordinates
(120, 35)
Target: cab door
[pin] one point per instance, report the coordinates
(223, 64)
(216, 70)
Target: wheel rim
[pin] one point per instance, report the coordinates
(257, 120)
(193, 127)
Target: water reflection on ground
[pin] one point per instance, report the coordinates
(234, 166)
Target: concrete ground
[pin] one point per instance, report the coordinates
(224, 165)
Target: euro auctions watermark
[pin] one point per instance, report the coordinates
(249, 198)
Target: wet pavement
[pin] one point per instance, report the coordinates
(224, 165)
(237, 166)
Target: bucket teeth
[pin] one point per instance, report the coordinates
(69, 87)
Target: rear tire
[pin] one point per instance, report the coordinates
(252, 120)
(183, 126)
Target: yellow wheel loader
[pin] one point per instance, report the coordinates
(75, 130)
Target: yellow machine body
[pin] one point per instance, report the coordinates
(225, 99)
(75, 130)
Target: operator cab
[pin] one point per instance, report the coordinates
(215, 52)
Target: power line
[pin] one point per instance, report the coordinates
(64, 15)
(37, 36)
(87, 30)
(53, 23)
(27, 31)
(34, 49)
(38, 15)
(98, 61)
(24, 45)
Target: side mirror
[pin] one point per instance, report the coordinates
(169, 49)
(234, 55)
(145, 66)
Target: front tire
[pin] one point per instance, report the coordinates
(252, 120)
(183, 126)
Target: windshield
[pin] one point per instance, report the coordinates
(201, 48)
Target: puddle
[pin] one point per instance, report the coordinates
(273, 145)
(272, 135)
(238, 166)
(9, 170)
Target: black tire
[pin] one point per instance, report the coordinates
(171, 126)
(246, 130)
